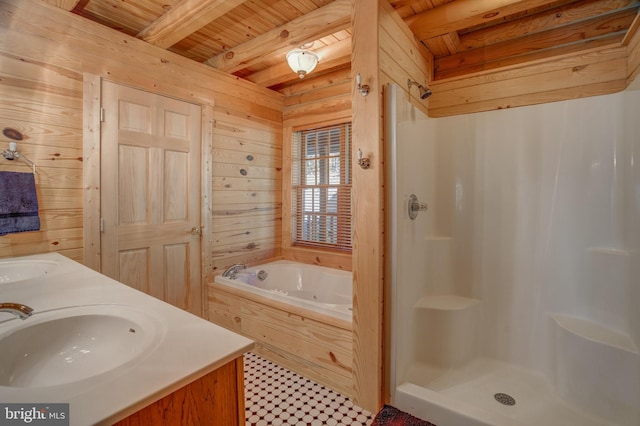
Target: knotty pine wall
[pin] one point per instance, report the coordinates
(246, 216)
(368, 214)
(401, 57)
(599, 71)
(44, 52)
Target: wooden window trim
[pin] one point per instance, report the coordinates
(343, 242)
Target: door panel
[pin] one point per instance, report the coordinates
(134, 265)
(176, 186)
(175, 256)
(134, 191)
(151, 194)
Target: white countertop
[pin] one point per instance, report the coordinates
(191, 347)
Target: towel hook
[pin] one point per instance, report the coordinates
(13, 154)
(364, 162)
(362, 88)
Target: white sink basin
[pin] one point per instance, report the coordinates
(19, 270)
(72, 344)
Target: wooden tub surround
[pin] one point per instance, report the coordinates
(312, 344)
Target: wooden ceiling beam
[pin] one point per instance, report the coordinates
(556, 54)
(63, 4)
(183, 19)
(334, 17)
(564, 15)
(444, 45)
(602, 27)
(462, 14)
(633, 28)
(331, 57)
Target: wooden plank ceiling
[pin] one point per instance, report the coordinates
(249, 38)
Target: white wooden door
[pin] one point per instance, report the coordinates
(150, 194)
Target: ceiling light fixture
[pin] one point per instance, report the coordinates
(302, 61)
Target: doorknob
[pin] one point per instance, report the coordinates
(196, 231)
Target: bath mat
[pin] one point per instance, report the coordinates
(391, 416)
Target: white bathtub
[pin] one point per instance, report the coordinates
(317, 288)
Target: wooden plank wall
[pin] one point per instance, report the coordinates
(309, 103)
(247, 189)
(401, 57)
(41, 87)
(368, 243)
(43, 102)
(596, 72)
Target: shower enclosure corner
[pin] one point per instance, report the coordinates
(513, 288)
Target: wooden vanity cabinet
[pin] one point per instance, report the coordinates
(215, 399)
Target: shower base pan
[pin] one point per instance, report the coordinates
(486, 393)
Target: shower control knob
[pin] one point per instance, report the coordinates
(415, 206)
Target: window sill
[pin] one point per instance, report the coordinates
(323, 257)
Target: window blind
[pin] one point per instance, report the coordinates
(321, 187)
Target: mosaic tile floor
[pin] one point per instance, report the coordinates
(277, 396)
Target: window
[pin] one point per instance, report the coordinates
(321, 187)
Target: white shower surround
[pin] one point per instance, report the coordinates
(533, 227)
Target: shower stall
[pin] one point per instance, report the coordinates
(514, 291)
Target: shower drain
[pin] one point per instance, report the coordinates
(504, 399)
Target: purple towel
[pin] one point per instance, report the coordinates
(18, 203)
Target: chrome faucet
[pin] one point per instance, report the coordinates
(17, 309)
(233, 270)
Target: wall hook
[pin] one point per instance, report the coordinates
(13, 154)
(362, 88)
(365, 163)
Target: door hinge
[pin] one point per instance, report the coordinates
(101, 225)
(101, 114)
